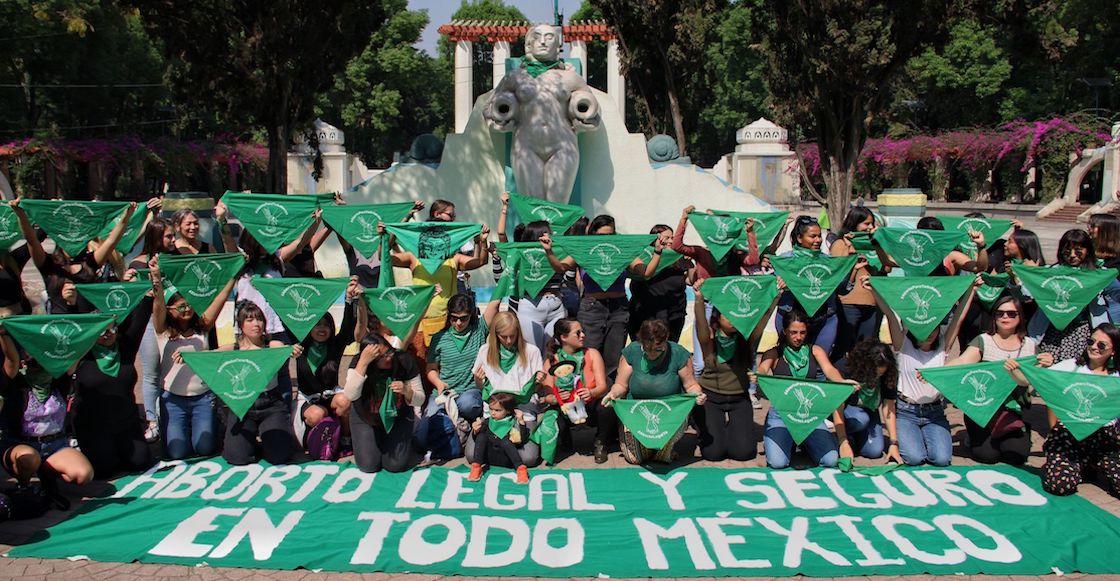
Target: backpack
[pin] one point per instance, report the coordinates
(23, 502)
(322, 440)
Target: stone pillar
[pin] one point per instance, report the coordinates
(501, 53)
(578, 51)
(464, 82)
(616, 83)
(761, 162)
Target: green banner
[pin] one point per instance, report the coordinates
(668, 258)
(802, 403)
(993, 287)
(132, 232)
(559, 216)
(240, 376)
(433, 242)
(918, 252)
(603, 257)
(547, 434)
(10, 232)
(200, 277)
(863, 245)
(300, 302)
(719, 233)
(767, 225)
(56, 341)
(991, 229)
(654, 421)
(1083, 401)
(612, 522)
(812, 279)
(115, 298)
(742, 299)
(399, 307)
(921, 302)
(357, 224)
(979, 390)
(273, 219)
(528, 264)
(1063, 291)
(72, 224)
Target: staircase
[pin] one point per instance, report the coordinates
(1067, 214)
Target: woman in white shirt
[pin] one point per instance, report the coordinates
(507, 363)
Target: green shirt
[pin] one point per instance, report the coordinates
(662, 378)
(455, 365)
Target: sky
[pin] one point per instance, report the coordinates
(440, 11)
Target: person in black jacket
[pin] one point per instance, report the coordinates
(317, 367)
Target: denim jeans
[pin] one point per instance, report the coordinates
(697, 352)
(604, 322)
(857, 322)
(537, 317)
(822, 332)
(149, 363)
(923, 434)
(778, 443)
(187, 425)
(865, 431)
(469, 403)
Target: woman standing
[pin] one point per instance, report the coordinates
(383, 385)
(159, 238)
(661, 296)
(1075, 249)
(538, 314)
(588, 382)
(859, 318)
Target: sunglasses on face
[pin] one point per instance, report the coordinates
(1100, 345)
(458, 318)
(1006, 314)
(181, 308)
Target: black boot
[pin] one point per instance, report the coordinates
(600, 452)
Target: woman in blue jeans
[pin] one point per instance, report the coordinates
(794, 356)
(923, 431)
(872, 364)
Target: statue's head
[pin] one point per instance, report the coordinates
(543, 43)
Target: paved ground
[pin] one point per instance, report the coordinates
(14, 533)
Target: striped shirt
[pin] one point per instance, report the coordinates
(456, 366)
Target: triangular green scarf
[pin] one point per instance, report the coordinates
(238, 377)
(1083, 401)
(433, 242)
(200, 277)
(918, 252)
(387, 409)
(108, 359)
(797, 360)
(507, 358)
(115, 298)
(460, 339)
(766, 227)
(742, 299)
(604, 258)
(993, 287)
(653, 422)
(529, 264)
(72, 224)
(316, 355)
(559, 216)
(812, 278)
(10, 231)
(921, 302)
(546, 434)
(538, 68)
(1063, 291)
(400, 307)
(725, 346)
(41, 384)
(719, 233)
(848, 465)
(668, 258)
(991, 229)
(861, 242)
(869, 396)
(273, 219)
(132, 232)
(979, 389)
(803, 404)
(357, 223)
(300, 302)
(568, 382)
(57, 341)
(502, 427)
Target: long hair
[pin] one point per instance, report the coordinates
(579, 227)
(1030, 248)
(788, 319)
(178, 217)
(1077, 238)
(800, 225)
(246, 310)
(153, 237)
(461, 303)
(559, 329)
(254, 252)
(1106, 240)
(856, 216)
(504, 322)
(438, 207)
(1021, 328)
(865, 359)
(327, 374)
(600, 221)
(1113, 333)
(533, 231)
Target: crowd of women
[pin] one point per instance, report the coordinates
(476, 379)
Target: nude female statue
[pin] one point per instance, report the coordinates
(544, 104)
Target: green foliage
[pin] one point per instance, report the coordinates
(596, 49)
(491, 10)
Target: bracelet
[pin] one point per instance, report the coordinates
(894, 442)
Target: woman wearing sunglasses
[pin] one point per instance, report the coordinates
(1006, 438)
(586, 379)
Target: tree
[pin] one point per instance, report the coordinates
(596, 49)
(260, 62)
(830, 63)
(483, 59)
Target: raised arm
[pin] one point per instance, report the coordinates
(480, 256)
(490, 311)
(290, 250)
(962, 260)
(752, 257)
(221, 215)
(210, 317)
(159, 304)
(559, 266)
(502, 218)
(105, 249)
(958, 317)
(703, 329)
(34, 247)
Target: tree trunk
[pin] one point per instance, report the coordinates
(278, 132)
(675, 108)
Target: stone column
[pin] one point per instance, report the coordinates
(501, 53)
(464, 80)
(578, 51)
(616, 83)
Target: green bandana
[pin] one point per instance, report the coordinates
(316, 355)
(979, 390)
(238, 377)
(604, 258)
(10, 231)
(1083, 401)
(200, 277)
(653, 422)
(399, 307)
(529, 264)
(719, 233)
(993, 287)
(767, 225)
(300, 302)
(797, 359)
(668, 258)
(921, 302)
(742, 299)
(538, 68)
(433, 242)
(861, 242)
(273, 219)
(848, 465)
(568, 382)
(114, 298)
(57, 341)
(500, 428)
(918, 252)
(1063, 291)
(108, 359)
(546, 434)
(72, 224)
(507, 358)
(132, 232)
(387, 409)
(461, 339)
(357, 224)
(559, 216)
(869, 397)
(812, 280)
(991, 229)
(41, 384)
(725, 346)
(803, 404)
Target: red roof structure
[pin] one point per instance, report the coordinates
(475, 30)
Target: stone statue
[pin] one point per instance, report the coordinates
(544, 104)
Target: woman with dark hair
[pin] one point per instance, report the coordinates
(186, 226)
(661, 296)
(795, 356)
(1105, 231)
(1006, 438)
(537, 314)
(726, 420)
(1075, 250)
(318, 365)
(260, 263)
(13, 299)
(859, 318)
(159, 238)
(871, 363)
(381, 372)
(1067, 459)
(956, 261)
(1022, 245)
(735, 262)
(653, 367)
(586, 379)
